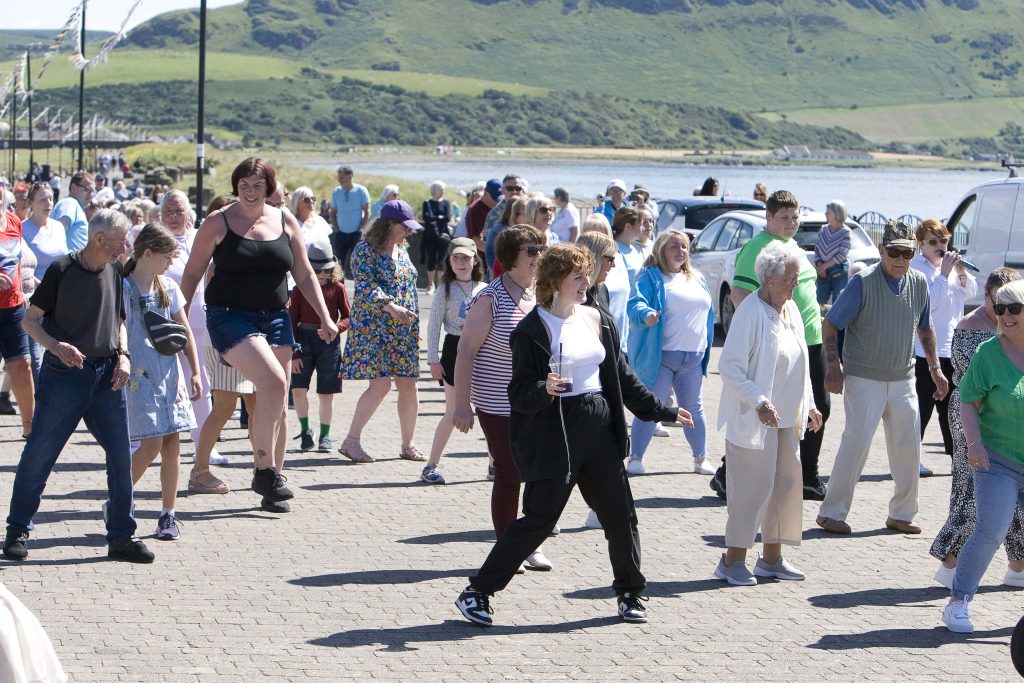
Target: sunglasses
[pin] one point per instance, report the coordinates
(546, 209)
(608, 259)
(513, 188)
(533, 249)
(1000, 309)
(896, 252)
(936, 241)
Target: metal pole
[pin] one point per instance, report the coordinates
(200, 142)
(81, 99)
(31, 123)
(14, 134)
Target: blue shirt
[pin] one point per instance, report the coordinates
(608, 209)
(69, 212)
(348, 205)
(847, 307)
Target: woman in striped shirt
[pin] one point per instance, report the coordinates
(485, 359)
(831, 254)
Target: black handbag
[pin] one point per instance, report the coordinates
(168, 336)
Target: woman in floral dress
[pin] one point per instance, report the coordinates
(383, 341)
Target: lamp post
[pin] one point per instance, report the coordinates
(81, 98)
(200, 142)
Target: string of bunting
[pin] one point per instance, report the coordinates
(78, 59)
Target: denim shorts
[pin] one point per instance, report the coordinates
(228, 325)
(320, 356)
(13, 339)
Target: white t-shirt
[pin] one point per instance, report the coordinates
(131, 309)
(578, 342)
(565, 220)
(685, 319)
(788, 385)
(315, 226)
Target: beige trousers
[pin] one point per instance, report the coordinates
(765, 491)
(868, 402)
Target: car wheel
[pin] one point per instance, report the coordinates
(725, 311)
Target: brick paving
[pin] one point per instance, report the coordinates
(358, 582)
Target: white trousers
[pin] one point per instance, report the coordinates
(765, 491)
(866, 403)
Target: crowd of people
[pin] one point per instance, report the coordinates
(146, 322)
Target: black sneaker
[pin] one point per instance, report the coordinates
(6, 407)
(130, 549)
(16, 545)
(717, 484)
(269, 484)
(475, 606)
(631, 609)
(814, 490)
(278, 506)
(306, 444)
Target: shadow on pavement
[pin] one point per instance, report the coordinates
(819, 533)
(481, 536)
(379, 577)
(403, 639)
(655, 589)
(891, 597)
(414, 483)
(679, 503)
(908, 638)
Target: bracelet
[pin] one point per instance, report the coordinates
(935, 367)
(973, 443)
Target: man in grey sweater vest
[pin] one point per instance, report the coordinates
(880, 310)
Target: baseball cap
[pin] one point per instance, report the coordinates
(898, 234)
(493, 188)
(616, 182)
(397, 210)
(462, 245)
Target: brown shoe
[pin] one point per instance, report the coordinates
(834, 526)
(902, 526)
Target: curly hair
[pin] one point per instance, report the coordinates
(555, 265)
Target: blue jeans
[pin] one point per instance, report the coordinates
(64, 396)
(996, 493)
(680, 370)
(829, 288)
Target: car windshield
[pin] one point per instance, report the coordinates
(697, 218)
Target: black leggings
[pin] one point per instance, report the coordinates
(433, 248)
(925, 402)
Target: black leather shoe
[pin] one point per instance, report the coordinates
(16, 545)
(130, 549)
(814, 491)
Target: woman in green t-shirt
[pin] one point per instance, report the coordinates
(991, 408)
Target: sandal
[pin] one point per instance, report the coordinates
(205, 482)
(410, 452)
(351, 449)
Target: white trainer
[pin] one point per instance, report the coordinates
(661, 430)
(1012, 578)
(592, 522)
(539, 562)
(217, 459)
(701, 466)
(956, 619)
(635, 466)
(944, 575)
(781, 570)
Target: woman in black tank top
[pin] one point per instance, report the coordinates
(253, 247)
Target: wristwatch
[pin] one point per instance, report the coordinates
(935, 367)
(122, 352)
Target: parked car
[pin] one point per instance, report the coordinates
(691, 214)
(988, 228)
(714, 251)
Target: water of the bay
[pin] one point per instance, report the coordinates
(925, 193)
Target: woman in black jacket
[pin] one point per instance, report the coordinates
(569, 428)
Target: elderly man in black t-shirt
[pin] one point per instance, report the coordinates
(77, 315)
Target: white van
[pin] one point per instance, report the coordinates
(988, 228)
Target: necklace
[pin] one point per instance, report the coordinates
(524, 294)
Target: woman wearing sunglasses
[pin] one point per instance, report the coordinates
(949, 286)
(991, 403)
(484, 358)
(976, 327)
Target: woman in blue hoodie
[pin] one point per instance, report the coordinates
(671, 328)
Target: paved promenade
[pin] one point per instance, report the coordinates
(358, 582)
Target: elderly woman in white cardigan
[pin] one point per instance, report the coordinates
(766, 402)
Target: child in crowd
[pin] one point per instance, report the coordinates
(159, 403)
(463, 278)
(314, 353)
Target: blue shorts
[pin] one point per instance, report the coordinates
(320, 356)
(229, 325)
(13, 339)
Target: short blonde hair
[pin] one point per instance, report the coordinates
(555, 265)
(1011, 293)
(599, 245)
(534, 204)
(597, 222)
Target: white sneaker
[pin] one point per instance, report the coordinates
(539, 562)
(635, 466)
(1012, 578)
(944, 575)
(592, 522)
(217, 459)
(956, 619)
(661, 430)
(701, 466)
(781, 570)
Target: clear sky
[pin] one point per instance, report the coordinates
(100, 15)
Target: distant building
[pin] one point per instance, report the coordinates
(803, 152)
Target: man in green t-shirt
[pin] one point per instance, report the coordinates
(783, 216)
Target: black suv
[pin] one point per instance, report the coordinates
(691, 214)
